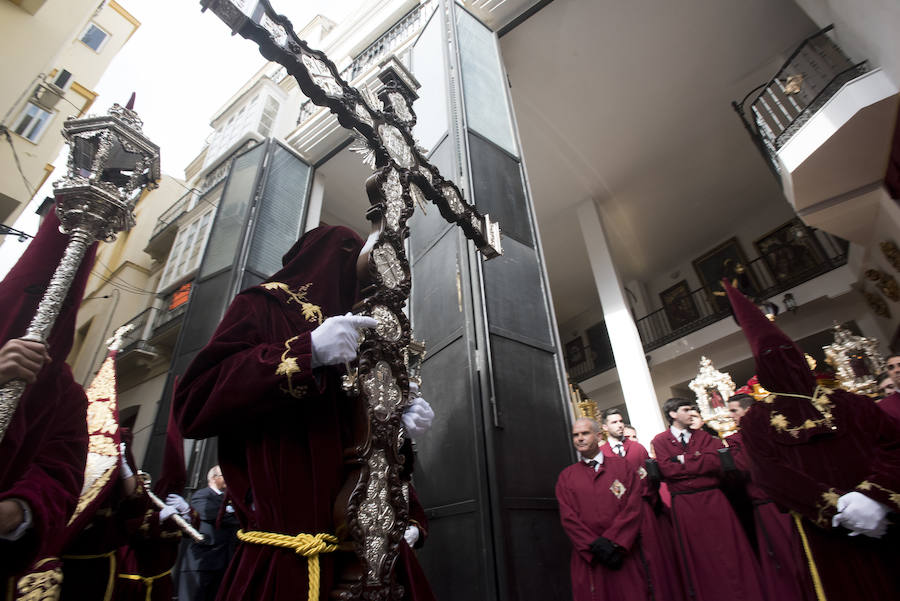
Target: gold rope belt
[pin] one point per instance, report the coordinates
(807, 550)
(307, 545)
(107, 596)
(146, 581)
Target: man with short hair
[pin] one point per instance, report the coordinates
(887, 384)
(205, 562)
(784, 576)
(657, 537)
(689, 463)
(599, 506)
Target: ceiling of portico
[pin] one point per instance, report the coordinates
(629, 104)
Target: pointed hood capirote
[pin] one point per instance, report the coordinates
(780, 364)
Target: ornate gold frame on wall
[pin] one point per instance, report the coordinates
(713, 389)
(849, 355)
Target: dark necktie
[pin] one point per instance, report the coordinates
(592, 464)
(683, 441)
(620, 450)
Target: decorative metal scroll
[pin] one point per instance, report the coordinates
(372, 510)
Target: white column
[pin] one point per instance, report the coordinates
(634, 374)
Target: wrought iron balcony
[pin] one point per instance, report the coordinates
(170, 216)
(138, 339)
(656, 330)
(809, 78)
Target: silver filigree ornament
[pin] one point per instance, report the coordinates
(393, 199)
(388, 327)
(476, 224)
(453, 200)
(110, 164)
(396, 146)
(361, 146)
(363, 114)
(388, 265)
(382, 390)
(398, 103)
(322, 76)
(418, 196)
(276, 30)
(376, 515)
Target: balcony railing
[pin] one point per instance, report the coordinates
(171, 215)
(138, 339)
(809, 78)
(389, 41)
(657, 330)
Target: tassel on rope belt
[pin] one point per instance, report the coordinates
(147, 581)
(309, 546)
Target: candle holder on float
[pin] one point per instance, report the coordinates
(110, 165)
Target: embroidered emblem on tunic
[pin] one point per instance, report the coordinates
(617, 488)
(288, 367)
(310, 312)
(829, 500)
(642, 472)
(893, 496)
(40, 586)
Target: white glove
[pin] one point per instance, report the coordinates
(165, 512)
(178, 502)
(125, 471)
(418, 416)
(336, 340)
(411, 536)
(861, 515)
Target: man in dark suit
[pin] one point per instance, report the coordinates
(204, 563)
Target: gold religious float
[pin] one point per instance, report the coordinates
(856, 361)
(581, 406)
(713, 389)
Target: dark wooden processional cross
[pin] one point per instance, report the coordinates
(372, 510)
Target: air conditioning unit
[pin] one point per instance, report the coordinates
(47, 94)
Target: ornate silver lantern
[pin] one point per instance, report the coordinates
(111, 163)
(855, 359)
(713, 389)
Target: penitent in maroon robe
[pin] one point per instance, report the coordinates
(606, 503)
(281, 425)
(783, 568)
(807, 447)
(657, 535)
(42, 456)
(891, 405)
(716, 559)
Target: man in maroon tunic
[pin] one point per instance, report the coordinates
(831, 458)
(268, 385)
(657, 536)
(600, 509)
(890, 404)
(716, 560)
(784, 573)
(42, 456)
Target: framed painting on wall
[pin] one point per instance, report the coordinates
(790, 251)
(679, 305)
(726, 261)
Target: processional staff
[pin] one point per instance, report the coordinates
(110, 164)
(371, 509)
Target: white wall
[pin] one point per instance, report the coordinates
(865, 29)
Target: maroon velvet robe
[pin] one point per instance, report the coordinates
(409, 572)
(603, 503)
(657, 536)
(891, 405)
(784, 571)
(45, 447)
(808, 473)
(282, 428)
(716, 560)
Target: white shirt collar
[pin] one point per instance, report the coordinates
(677, 432)
(614, 444)
(216, 490)
(598, 458)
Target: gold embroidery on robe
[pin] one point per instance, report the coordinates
(311, 313)
(288, 367)
(91, 493)
(893, 496)
(40, 586)
(829, 500)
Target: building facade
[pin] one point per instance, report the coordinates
(56, 51)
